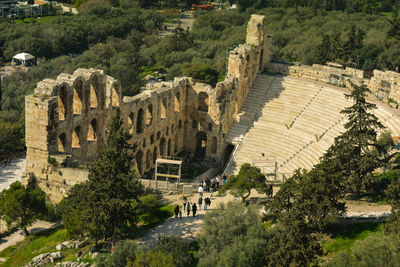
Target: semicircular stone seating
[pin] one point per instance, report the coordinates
(288, 123)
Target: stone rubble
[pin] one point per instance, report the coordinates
(45, 258)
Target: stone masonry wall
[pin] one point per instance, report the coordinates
(384, 84)
(67, 118)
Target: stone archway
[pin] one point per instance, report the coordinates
(201, 145)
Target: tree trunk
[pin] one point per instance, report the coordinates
(246, 196)
(114, 237)
(26, 233)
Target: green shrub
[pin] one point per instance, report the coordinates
(178, 247)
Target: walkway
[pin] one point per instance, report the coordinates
(188, 227)
(19, 236)
(11, 174)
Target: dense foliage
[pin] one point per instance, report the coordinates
(233, 236)
(22, 205)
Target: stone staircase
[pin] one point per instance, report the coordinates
(291, 122)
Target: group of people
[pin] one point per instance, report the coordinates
(191, 207)
(7, 162)
(211, 184)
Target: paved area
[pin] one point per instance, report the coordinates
(18, 236)
(11, 174)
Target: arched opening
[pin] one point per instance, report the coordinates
(140, 121)
(162, 147)
(62, 103)
(227, 153)
(202, 102)
(214, 143)
(201, 145)
(139, 162)
(131, 120)
(169, 148)
(77, 105)
(177, 106)
(92, 132)
(114, 97)
(76, 138)
(61, 142)
(261, 60)
(155, 154)
(149, 115)
(164, 109)
(148, 159)
(94, 92)
(176, 145)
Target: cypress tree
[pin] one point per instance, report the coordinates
(353, 148)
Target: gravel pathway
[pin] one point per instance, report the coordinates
(11, 174)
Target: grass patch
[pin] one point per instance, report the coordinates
(40, 20)
(36, 244)
(157, 217)
(343, 236)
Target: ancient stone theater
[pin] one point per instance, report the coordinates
(277, 116)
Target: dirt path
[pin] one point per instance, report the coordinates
(11, 174)
(187, 226)
(18, 236)
(186, 21)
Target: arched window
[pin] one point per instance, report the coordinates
(214, 145)
(149, 115)
(164, 109)
(202, 102)
(139, 161)
(140, 121)
(76, 138)
(61, 142)
(177, 105)
(148, 159)
(92, 132)
(155, 154)
(62, 103)
(162, 147)
(131, 120)
(77, 104)
(114, 97)
(176, 145)
(94, 92)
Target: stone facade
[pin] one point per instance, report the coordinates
(67, 118)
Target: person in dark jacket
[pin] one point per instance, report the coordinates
(188, 209)
(194, 209)
(200, 202)
(176, 211)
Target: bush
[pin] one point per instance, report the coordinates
(375, 250)
(123, 252)
(178, 247)
(233, 236)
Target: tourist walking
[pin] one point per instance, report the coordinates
(211, 191)
(224, 179)
(9, 161)
(194, 209)
(200, 189)
(176, 211)
(270, 190)
(207, 202)
(5, 163)
(217, 181)
(184, 203)
(188, 209)
(200, 202)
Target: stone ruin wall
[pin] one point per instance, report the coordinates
(383, 84)
(67, 118)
